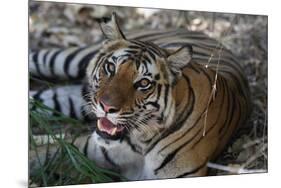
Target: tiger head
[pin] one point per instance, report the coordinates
(131, 84)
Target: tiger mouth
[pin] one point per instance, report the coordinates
(107, 129)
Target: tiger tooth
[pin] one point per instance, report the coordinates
(113, 132)
(99, 125)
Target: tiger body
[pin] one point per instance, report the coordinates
(166, 103)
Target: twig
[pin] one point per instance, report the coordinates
(213, 92)
(235, 170)
(214, 86)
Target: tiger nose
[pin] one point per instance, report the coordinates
(108, 108)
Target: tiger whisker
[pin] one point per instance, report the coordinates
(143, 126)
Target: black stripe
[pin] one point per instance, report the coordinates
(229, 105)
(45, 57)
(166, 94)
(130, 112)
(146, 59)
(158, 92)
(134, 148)
(192, 171)
(38, 95)
(156, 50)
(85, 150)
(85, 92)
(180, 44)
(35, 56)
(151, 54)
(146, 46)
(231, 118)
(130, 51)
(172, 155)
(238, 85)
(191, 101)
(225, 54)
(218, 116)
(35, 61)
(188, 109)
(69, 59)
(72, 110)
(174, 33)
(98, 61)
(108, 159)
(85, 95)
(175, 127)
(187, 131)
(57, 105)
(154, 34)
(139, 43)
(52, 62)
(134, 47)
(82, 66)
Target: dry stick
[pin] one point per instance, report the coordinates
(236, 170)
(213, 92)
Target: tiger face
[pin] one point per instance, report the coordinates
(131, 85)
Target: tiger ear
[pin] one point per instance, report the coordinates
(178, 59)
(110, 28)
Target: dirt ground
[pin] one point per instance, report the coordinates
(64, 25)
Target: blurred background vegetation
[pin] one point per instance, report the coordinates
(63, 25)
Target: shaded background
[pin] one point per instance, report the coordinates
(63, 25)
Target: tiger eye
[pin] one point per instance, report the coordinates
(111, 67)
(144, 82)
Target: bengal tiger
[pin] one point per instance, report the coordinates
(165, 102)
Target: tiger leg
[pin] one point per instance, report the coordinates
(184, 165)
(188, 161)
(65, 99)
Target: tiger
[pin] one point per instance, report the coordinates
(165, 103)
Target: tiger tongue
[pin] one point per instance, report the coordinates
(107, 126)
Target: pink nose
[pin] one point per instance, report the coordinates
(107, 108)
